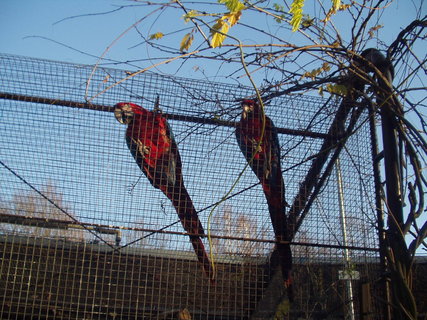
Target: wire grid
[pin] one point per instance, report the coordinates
(86, 235)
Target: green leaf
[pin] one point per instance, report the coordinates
(156, 36)
(186, 42)
(338, 89)
(296, 12)
(278, 7)
(281, 19)
(233, 5)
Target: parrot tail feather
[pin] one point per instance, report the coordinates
(192, 224)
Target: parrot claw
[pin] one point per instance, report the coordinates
(142, 148)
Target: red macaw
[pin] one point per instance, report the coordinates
(151, 143)
(264, 159)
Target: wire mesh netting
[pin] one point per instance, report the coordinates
(85, 235)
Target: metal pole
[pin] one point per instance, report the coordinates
(380, 213)
(349, 286)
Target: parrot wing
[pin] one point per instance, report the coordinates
(160, 164)
(261, 155)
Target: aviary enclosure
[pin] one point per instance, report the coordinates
(84, 235)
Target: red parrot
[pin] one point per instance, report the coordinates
(151, 143)
(264, 159)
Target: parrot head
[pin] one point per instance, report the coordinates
(250, 108)
(126, 111)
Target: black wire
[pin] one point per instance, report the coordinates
(54, 204)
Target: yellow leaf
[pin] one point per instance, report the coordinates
(184, 314)
(296, 11)
(189, 15)
(233, 5)
(326, 66)
(186, 42)
(218, 25)
(328, 15)
(373, 30)
(314, 73)
(232, 17)
(336, 4)
(156, 36)
(219, 37)
(220, 29)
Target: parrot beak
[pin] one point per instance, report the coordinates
(247, 109)
(124, 113)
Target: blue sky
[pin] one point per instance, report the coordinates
(24, 22)
(22, 19)
(27, 26)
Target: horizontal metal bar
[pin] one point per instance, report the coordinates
(177, 117)
(110, 229)
(54, 223)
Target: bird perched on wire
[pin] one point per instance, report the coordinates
(258, 140)
(151, 143)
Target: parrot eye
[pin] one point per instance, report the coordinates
(124, 114)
